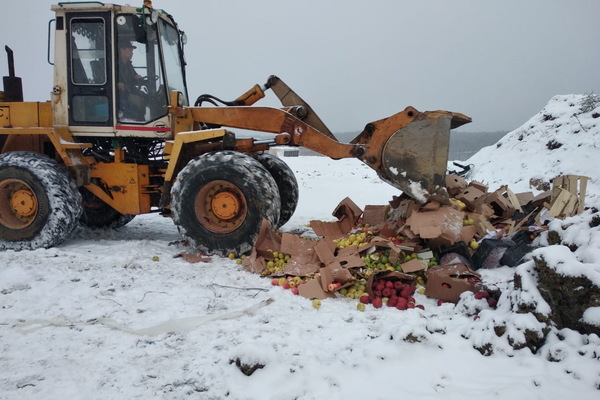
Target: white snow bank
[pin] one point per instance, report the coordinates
(559, 140)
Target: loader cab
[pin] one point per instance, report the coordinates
(115, 67)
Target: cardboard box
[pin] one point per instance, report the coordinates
(334, 273)
(389, 230)
(192, 258)
(313, 289)
(479, 186)
(513, 199)
(471, 197)
(393, 275)
(414, 265)
(484, 210)
(455, 184)
(330, 230)
(448, 282)
(375, 215)
(431, 206)
(379, 241)
(404, 209)
(346, 258)
(303, 257)
(347, 213)
(254, 263)
(466, 234)
(445, 223)
(396, 250)
(268, 241)
(524, 198)
(501, 205)
(481, 224)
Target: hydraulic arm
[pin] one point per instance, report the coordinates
(409, 150)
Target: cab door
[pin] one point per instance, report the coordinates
(89, 75)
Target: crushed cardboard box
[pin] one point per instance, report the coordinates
(443, 223)
(347, 213)
(390, 275)
(192, 258)
(448, 282)
(406, 240)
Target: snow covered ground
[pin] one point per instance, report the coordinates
(100, 318)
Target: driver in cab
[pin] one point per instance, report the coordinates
(131, 98)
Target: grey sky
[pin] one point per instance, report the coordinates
(356, 61)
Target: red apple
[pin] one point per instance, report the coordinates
(377, 302)
(401, 303)
(406, 292)
(481, 295)
(366, 299)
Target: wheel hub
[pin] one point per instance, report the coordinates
(23, 203)
(225, 205)
(220, 206)
(18, 204)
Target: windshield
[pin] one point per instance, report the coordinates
(169, 38)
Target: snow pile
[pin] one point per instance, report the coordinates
(560, 140)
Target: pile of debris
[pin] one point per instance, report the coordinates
(386, 253)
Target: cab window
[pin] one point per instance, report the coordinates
(88, 74)
(141, 97)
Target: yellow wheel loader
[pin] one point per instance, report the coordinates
(119, 138)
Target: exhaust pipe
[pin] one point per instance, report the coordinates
(13, 87)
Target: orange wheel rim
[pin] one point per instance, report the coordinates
(18, 204)
(220, 207)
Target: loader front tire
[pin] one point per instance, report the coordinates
(286, 183)
(220, 199)
(99, 215)
(39, 203)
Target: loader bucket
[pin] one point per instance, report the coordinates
(415, 157)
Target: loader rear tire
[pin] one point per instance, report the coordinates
(220, 199)
(39, 203)
(99, 215)
(286, 183)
